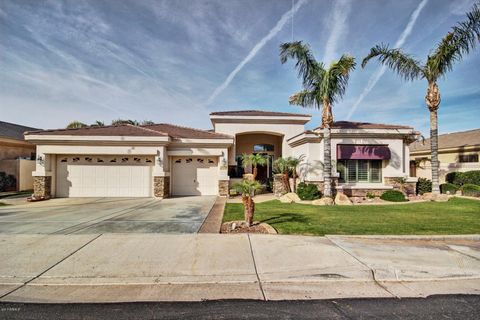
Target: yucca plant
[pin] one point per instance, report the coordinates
(247, 189)
(458, 42)
(322, 87)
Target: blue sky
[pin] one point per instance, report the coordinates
(177, 61)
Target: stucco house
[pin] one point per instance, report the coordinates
(16, 154)
(457, 151)
(164, 160)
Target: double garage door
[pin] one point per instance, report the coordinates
(104, 176)
(131, 176)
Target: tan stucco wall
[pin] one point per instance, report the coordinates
(22, 170)
(11, 151)
(448, 163)
(244, 143)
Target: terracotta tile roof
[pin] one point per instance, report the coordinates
(257, 113)
(161, 129)
(175, 131)
(13, 131)
(450, 140)
(365, 125)
(120, 130)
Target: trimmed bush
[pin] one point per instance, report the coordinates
(448, 188)
(424, 185)
(7, 181)
(308, 191)
(470, 190)
(393, 196)
(461, 178)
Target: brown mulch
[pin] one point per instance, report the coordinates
(241, 227)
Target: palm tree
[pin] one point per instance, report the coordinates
(247, 189)
(98, 123)
(76, 125)
(458, 42)
(253, 160)
(292, 164)
(322, 87)
(123, 121)
(281, 166)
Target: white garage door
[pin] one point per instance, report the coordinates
(104, 176)
(194, 176)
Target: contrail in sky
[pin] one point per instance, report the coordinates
(341, 10)
(280, 24)
(380, 71)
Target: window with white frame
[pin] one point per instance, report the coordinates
(363, 171)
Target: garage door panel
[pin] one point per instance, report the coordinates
(104, 178)
(194, 176)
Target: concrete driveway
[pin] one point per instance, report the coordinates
(106, 215)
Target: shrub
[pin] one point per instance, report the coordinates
(461, 178)
(393, 196)
(470, 190)
(370, 195)
(7, 181)
(424, 185)
(448, 188)
(308, 191)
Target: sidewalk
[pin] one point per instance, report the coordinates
(156, 267)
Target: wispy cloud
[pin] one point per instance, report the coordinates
(381, 70)
(341, 10)
(272, 33)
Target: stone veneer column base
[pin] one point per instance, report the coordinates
(42, 187)
(161, 186)
(223, 188)
(409, 188)
(279, 188)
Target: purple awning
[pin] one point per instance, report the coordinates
(362, 152)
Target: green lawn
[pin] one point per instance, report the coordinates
(457, 216)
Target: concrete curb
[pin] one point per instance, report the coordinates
(408, 237)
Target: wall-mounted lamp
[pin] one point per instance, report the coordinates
(224, 162)
(40, 160)
(159, 161)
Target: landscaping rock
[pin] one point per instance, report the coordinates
(289, 198)
(342, 200)
(325, 201)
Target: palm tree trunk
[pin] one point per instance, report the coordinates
(327, 163)
(434, 150)
(327, 121)
(254, 172)
(250, 212)
(294, 174)
(433, 102)
(245, 207)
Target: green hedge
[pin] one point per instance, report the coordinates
(470, 190)
(393, 196)
(448, 188)
(7, 181)
(424, 185)
(461, 178)
(308, 191)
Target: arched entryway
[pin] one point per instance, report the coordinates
(266, 143)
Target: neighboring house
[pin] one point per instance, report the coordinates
(17, 155)
(163, 159)
(457, 151)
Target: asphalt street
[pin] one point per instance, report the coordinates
(433, 307)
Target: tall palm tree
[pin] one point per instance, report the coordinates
(458, 42)
(76, 124)
(322, 87)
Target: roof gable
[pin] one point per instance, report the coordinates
(450, 140)
(257, 113)
(13, 131)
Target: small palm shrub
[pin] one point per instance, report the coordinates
(7, 181)
(370, 195)
(470, 190)
(424, 185)
(448, 188)
(308, 191)
(393, 196)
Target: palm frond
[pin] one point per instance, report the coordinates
(403, 64)
(304, 98)
(458, 42)
(308, 68)
(338, 75)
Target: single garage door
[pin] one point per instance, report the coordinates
(194, 176)
(104, 176)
